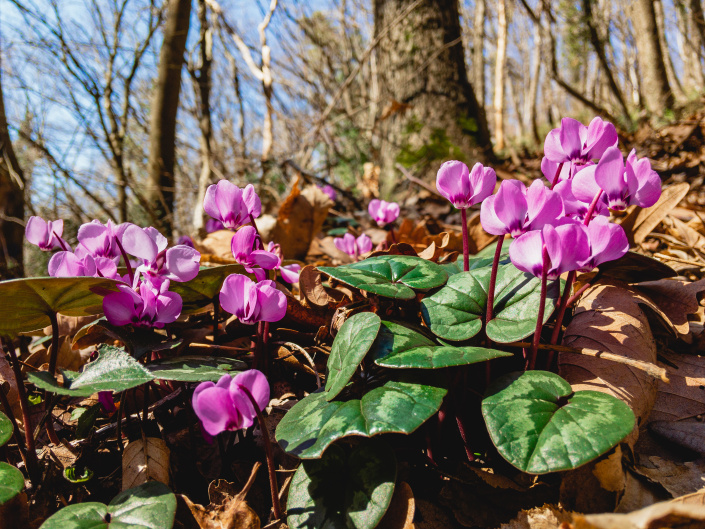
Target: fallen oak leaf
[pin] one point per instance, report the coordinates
(663, 515)
(311, 287)
(677, 299)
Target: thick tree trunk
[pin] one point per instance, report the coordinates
(657, 92)
(673, 81)
(11, 204)
(429, 111)
(478, 52)
(165, 103)
(500, 75)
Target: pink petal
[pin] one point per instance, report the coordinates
(544, 205)
(65, 264)
(182, 263)
(453, 182)
(37, 232)
(209, 204)
(482, 183)
(290, 273)
(271, 301)
(526, 252)
(243, 242)
(364, 244)
(121, 307)
(601, 135)
(214, 407)
(570, 136)
(137, 242)
(264, 259)
(488, 218)
(609, 175)
(649, 190)
(252, 201)
(169, 305)
(552, 147)
(256, 383)
(510, 206)
(373, 208)
(345, 244)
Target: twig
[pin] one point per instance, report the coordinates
(412, 178)
(649, 368)
(303, 351)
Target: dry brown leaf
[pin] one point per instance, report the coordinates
(696, 498)
(647, 219)
(677, 478)
(664, 515)
(689, 433)
(9, 386)
(217, 244)
(15, 513)
(677, 299)
(400, 514)
(546, 517)
(685, 233)
(311, 287)
(227, 508)
(684, 396)
(609, 318)
(639, 493)
(300, 219)
(143, 460)
(69, 357)
(596, 486)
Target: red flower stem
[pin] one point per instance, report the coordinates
(254, 225)
(558, 174)
(32, 462)
(391, 234)
(265, 346)
(130, 272)
(542, 307)
(493, 280)
(269, 456)
(562, 306)
(216, 317)
(61, 242)
(591, 209)
(466, 240)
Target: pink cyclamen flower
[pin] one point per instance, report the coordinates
(622, 185)
(607, 242)
(352, 246)
(252, 302)
(185, 240)
(290, 272)
(226, 406)
(106, 400)
(179, 263)
(462, 187)
(574, 208)
(214, 225)
(231, 205)
(576, 143)
(328, 190)
(383, 212)
(247, 250)
(566, 244)
(514, 210)
(147, 307)
(100, 240)
(69, 264)
(45, 234)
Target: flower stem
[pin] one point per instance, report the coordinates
(32, 462)
(466, 240)
(268, 454)
(591, 209)
(391, 234)
(493, 280)
(130, 272)
(557, 175)
(560, 314)
(216, 317)
(61, 242)
(542, 308)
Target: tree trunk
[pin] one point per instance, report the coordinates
(11, 204)
(500, 75)
(165, 103)
(673, 81)
(697, 25)
(531, 102)
(429, 111)
(478, 52)
(202, 79)
(657, 92)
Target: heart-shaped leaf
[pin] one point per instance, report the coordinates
(349, 348)
(343, 491)
(456, 311)
(11, 482)
(398, 346)
(540, 425)
(195, 368)
(474, 263)
(27, 303)
(201, 290)
(149, 506)
(396, 407)
(392, 276)
(5, 428)
(114, 370)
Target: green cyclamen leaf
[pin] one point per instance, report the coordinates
(456, 311)
(114, 370)
(11, 482)
(28, 302)
(398, 346)
(540, 425)
(396, 407)
(195, 368)
(5, 428)
(349, 348)
(148, 506)
(341, 491)
(392, 276)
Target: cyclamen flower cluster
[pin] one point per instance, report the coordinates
(251, 301)
(563, 227)
(143, 299)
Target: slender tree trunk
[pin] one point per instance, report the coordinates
(478, 52)
(531, 101)
(500, 74)
(11, 203)
(202, 79)
(694, 79)
(697, 23)
(165, 104)
(657, 92)
(423, 79)
(673, 81)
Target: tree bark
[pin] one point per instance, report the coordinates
(165, 104)
(429, 111)
(11, 203)
(500, 75)
(657, 92)
(673, 81)
(478, 52)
